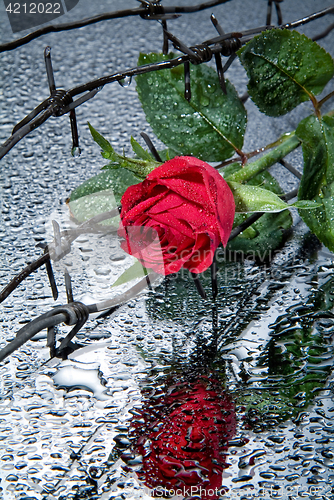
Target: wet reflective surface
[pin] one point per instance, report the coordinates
(171, 392)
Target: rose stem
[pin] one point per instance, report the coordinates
(214, 277)
(199, 285)
(266, 161)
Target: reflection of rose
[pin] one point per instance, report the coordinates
(188, 205)
(183, 438)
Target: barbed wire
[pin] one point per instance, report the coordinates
(148, 10)
(77, 313)
(61, 102)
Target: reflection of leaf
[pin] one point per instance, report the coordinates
(284, 68)
(298, 359)
(317, 182)
(137, 270)
(209, 127)
(100, 193)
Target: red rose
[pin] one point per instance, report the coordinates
(177, 216)
(183, 439)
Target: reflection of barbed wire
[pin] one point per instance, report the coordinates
(61, 101)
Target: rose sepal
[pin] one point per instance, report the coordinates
(141, 167)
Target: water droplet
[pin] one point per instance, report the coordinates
(75, 152)
(211, 87)
(125, 82)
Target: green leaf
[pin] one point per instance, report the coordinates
(137, 270)
(211, 126)
(306, 204)
(317, 182)
(261, 239)
(284, 68)
(100, 193)
(139, 151)
(255, 199)
(118, 179)
(86, 207)
(318, 151)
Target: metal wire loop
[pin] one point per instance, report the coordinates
(75, 312)
(203, 54)
(78, 314)
(81, 311)
(230, 47)
(60, 100)
(154, 10)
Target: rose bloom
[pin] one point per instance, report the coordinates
(177, 216)
(183, 438)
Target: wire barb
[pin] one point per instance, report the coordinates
(220, 73)
(49, 69)
(187, 88)
(216, 24)
(68, 286)
(51, 277)
(165, 37)
(151, 147)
